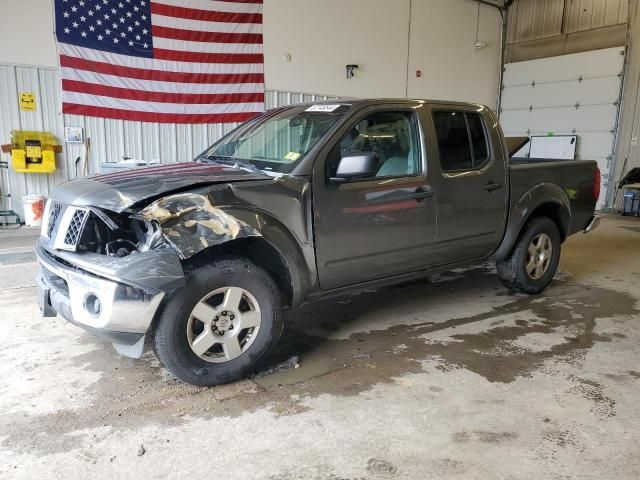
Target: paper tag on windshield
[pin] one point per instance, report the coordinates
(322, 108)
(292, 156)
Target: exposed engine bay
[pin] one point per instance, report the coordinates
(118, 235)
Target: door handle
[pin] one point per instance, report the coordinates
(491, 186)
(420, 195)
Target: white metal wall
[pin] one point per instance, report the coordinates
(110, 139)
(575, 94)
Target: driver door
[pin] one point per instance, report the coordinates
(381, 223)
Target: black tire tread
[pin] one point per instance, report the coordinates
(511, 271)
(162, 331)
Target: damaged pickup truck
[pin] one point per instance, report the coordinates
(302, 202)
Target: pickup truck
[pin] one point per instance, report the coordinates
(300, 203)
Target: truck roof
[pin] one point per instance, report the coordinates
(378, 101)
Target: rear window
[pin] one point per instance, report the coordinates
(462, 140)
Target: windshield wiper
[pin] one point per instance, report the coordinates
(234, 162)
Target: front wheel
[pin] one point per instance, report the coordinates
(219, 326)
(534, 259)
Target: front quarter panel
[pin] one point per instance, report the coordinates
(190, 223)
(277, 212)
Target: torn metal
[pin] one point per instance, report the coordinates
(190, 223)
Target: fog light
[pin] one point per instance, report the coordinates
(92, 305)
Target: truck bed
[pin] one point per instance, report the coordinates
(575, 177)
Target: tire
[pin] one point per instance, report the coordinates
(194, 316)
(516, 272)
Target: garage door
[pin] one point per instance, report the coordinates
(576, 94)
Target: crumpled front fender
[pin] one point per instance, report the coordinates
(191, 223)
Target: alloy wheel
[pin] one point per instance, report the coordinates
(539, 256)
(223, 324)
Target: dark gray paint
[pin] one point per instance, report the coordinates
(336, 238)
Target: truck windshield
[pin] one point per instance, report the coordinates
(277, 140)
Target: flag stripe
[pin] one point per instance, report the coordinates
(127, 114)
(219, 6)
(190, 24)
(79, 68)
(207, 47)
(204, 15)
(158, 86)
(157, 65)
(162, 107)
(134, 94)
(203, 36)
(198, 57)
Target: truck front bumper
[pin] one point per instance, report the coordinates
(114, 310)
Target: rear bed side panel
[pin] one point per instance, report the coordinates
(567, 184)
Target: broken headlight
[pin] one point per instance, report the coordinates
(148, 233)
(142, 236)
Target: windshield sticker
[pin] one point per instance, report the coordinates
(292, 156)
(322, 108)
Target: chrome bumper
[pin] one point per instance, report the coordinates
(123, 313)
(592, 225)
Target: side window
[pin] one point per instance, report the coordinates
(462, 141)
(453, 141)
(478, 139)
(391, 136)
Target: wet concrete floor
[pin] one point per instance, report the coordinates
(451, 377)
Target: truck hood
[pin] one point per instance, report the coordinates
(120, 191)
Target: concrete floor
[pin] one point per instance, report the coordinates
(453, 378)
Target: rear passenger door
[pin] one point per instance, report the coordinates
(472, 182)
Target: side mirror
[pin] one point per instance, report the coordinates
(354, 166)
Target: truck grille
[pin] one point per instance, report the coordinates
(74, 230)
(64, 225)
(55, 208)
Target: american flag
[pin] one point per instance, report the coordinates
(171, 61)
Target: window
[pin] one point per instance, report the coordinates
(277, 140)
(478, 139)
(391, 136)
(462, 140)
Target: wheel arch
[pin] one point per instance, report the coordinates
(199, 230)
(543, 200)
(263, 254)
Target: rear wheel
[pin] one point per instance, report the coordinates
(221, 324)
(534, 259)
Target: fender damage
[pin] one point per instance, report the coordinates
(191, 223)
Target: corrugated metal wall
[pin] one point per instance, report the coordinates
(110, 139)
(538, 19)
(581, 15)
(533, 20)
(547, 28)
